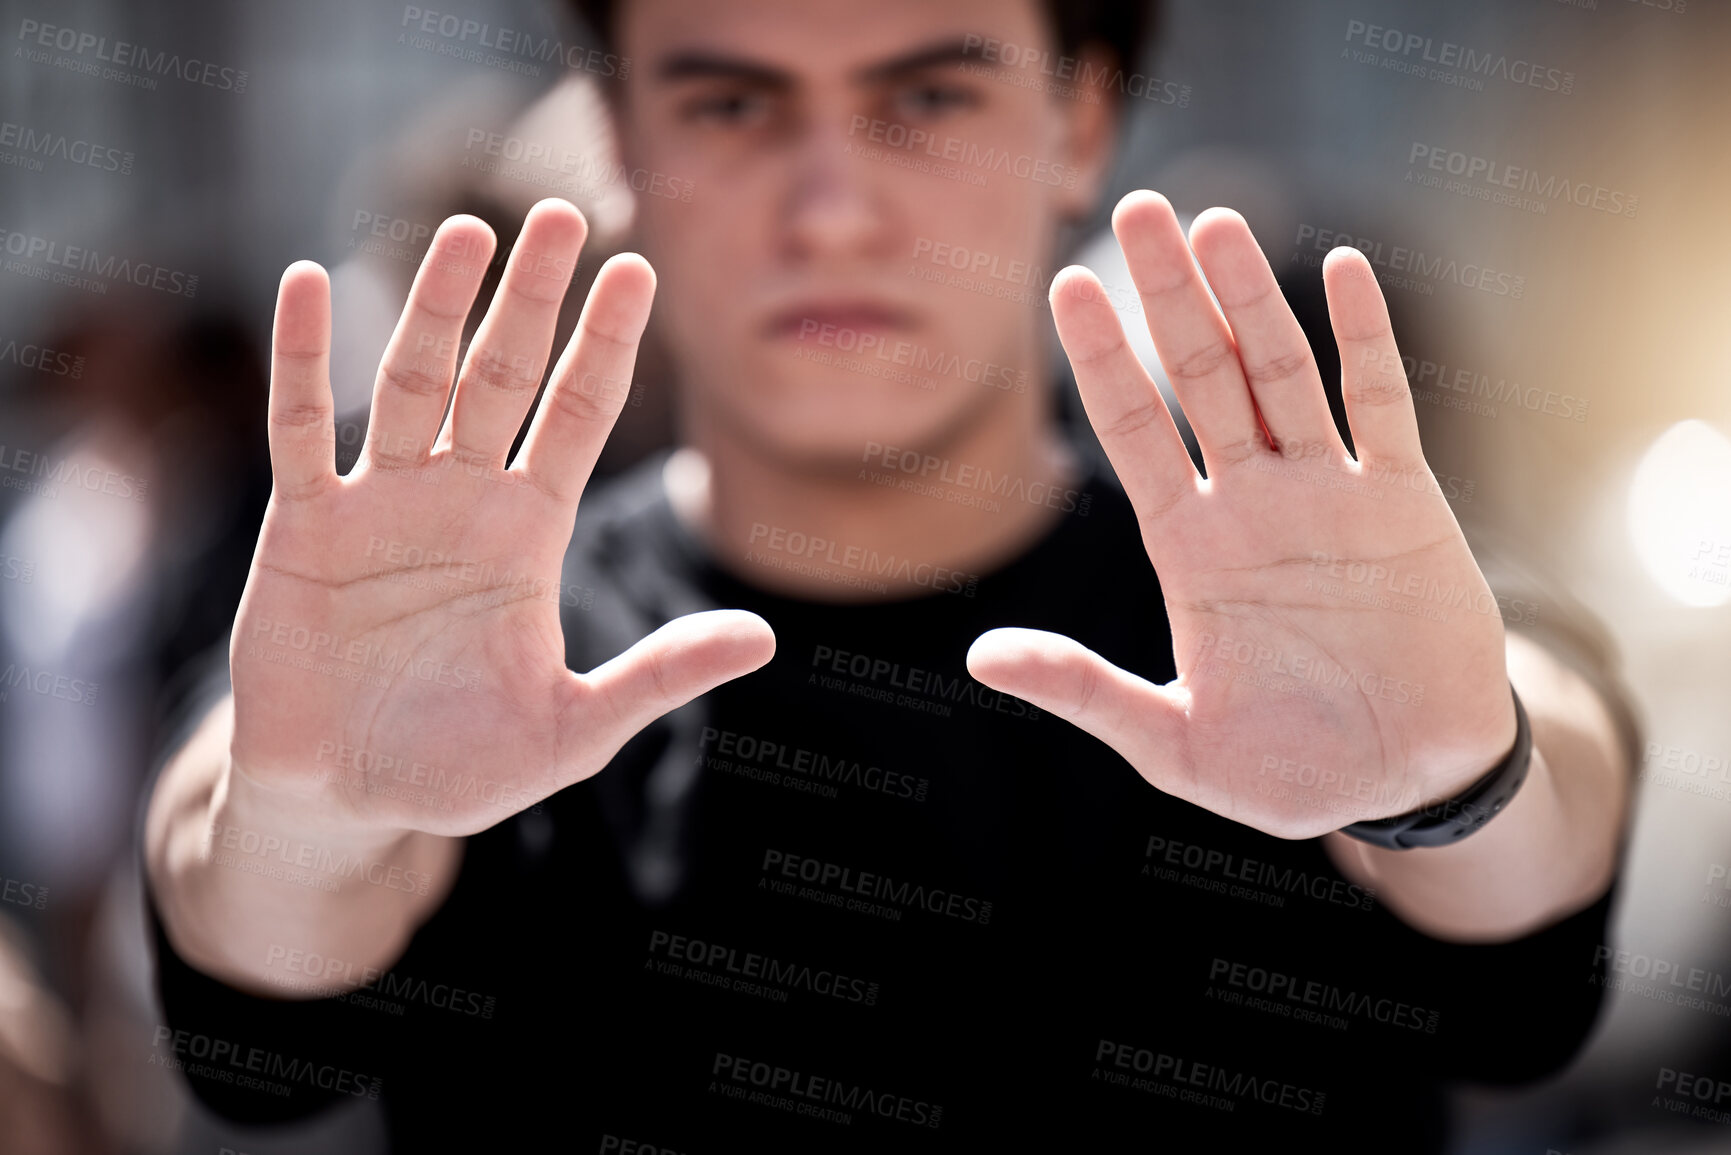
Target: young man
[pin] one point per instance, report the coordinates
(901, 806)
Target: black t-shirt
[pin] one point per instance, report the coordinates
(857, 901)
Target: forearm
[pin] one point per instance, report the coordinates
(1551, 852)
(242, 877)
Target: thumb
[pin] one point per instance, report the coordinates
(1140, 720)
(684, 658)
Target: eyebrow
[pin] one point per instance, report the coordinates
(706, 65)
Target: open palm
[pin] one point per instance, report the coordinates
(1339, 654)
(398, 660)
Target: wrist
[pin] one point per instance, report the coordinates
(1444, 822)
(241, 807)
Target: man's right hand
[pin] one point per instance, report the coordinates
(423, 589)
(398, 661)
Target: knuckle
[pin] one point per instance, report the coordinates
(1135, 419)
(1102, 355)
(1238, 452)
(1087, 684)
(658, 677)
(571, 400)
(495, 371)
(304, 417)
(1377, 391)
(416, 380)
(603, 335)
(1204, 362)
(1277, 369)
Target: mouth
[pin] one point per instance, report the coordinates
(829, 320)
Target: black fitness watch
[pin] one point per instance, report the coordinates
(1445, 823)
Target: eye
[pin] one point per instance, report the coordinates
(933, 98)
(734, 109)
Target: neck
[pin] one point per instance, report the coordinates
(891, 525)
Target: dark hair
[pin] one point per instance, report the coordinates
(1124, 27)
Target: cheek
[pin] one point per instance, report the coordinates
(699, 253)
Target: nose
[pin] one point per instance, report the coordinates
(834, 206)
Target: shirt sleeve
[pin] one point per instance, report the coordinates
(249, 1059)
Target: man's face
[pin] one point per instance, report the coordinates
(843, 158)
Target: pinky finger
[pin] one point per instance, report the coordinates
(302, 423)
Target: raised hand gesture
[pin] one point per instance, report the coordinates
(1339, 654)
(398, 661)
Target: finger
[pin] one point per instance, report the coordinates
(1143, 722)
(1190, 335)
(302, 424)
(503, 368)
(414, 381)
(686, 657)
(1123, 404)
(591, 380)
(1379, 406)
(1273, 353)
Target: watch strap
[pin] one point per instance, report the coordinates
(1445, 823)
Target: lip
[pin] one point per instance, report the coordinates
(860, 314)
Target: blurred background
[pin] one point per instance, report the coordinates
(1557, 244)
